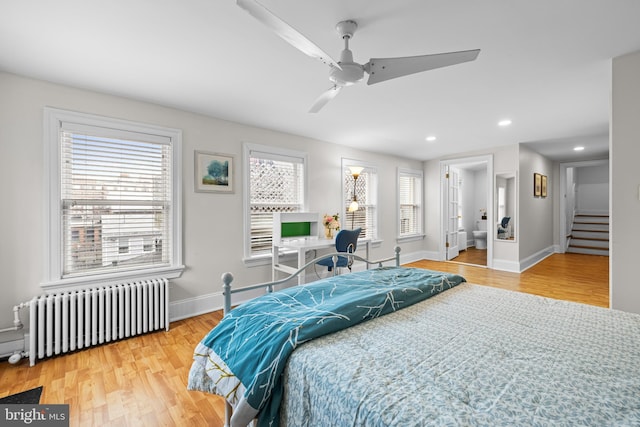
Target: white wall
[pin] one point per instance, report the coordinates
(467, 198)
(592, 188)
(480, 195)
(212, 222)
(473, 196)
(625, 183)
(536, 214)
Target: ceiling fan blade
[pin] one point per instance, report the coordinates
(322, 100)
(286, 31)
(381, 69)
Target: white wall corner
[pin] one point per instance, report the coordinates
(432, 255)
(413, 257)
(190, 307)
(506, 265)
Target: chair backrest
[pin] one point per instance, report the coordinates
(505, 221)
(347, 240)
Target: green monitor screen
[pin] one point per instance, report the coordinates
(295, 229)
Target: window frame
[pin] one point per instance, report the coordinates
(277, 152)
(419, 194)
(371, 192)
(53, 256)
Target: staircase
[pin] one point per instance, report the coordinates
(589, 235)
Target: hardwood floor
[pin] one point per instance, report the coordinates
(471, 255)
(142, 381)
(571, 277)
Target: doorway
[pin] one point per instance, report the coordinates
(584, 207)
(467, 200)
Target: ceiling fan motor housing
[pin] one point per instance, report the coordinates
(350, 73)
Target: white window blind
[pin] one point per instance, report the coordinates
(116, 194)
(114, 210)
(410, 203)
(276, 184)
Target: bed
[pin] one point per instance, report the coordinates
(464, 355)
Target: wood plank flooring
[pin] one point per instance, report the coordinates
(139, 381)
(571, 277)
(142, 381)
(471, 255)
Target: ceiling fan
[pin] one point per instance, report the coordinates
(346, 72)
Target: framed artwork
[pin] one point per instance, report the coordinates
(213, 172)
(543, 187)
(537, 185)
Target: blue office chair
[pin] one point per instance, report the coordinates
(504, 231)
(346, 241)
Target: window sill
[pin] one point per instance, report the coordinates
(80, 282)
(411, 238)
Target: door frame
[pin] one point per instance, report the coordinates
(450, 235)
(488, 159)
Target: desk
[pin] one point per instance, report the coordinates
(301, 246)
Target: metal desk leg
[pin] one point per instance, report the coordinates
(302, 253)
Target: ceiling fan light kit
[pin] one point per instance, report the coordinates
(346, 72)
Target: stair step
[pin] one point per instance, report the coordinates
(590, 227)
(591, 219)
(588, 245)
(589, 234)
(588, 251)
(587, 238)
(595, 235)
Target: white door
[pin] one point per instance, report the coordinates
(452, 176)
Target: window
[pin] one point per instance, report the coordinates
(365, 192)
(502, 205)
(276, 182)
(123, 245)
(409, 203)
(112, 185)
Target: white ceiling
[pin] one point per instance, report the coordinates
(543, 64)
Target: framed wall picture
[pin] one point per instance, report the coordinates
(543, 186)
(537, 185)
(213, 172)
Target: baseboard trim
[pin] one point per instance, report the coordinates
(413, 257)
(431, 256)
(10, 347)
(505, 265)
(532, 260)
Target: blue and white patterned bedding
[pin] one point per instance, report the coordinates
(472, 356)
(243, 357)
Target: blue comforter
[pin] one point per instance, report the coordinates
(253, 342)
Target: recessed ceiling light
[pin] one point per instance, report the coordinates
(430, 138)
(578, 148)
(505, 122)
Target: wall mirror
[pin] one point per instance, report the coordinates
(506, 219)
